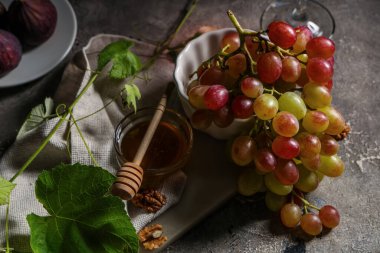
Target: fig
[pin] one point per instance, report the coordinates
(32, 21)
(10, 52)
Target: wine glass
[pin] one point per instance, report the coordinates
(308, 13)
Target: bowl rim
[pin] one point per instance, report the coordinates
(186, 48)
(188, 45)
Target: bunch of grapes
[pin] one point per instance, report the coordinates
(282, 78)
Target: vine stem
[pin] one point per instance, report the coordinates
(56, 127)
(84, 141)
(244, 32)
(305, 202)
(7, 227)
(164, 45)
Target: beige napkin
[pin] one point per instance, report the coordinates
(97, 129)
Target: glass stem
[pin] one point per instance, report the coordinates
(299, 12)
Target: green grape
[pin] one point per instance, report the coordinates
(196, 96)
(331, 166)
(316, 96)
(336, 120)
(308, 180)
(290, 215)
(274, 202)
(315, 122)
(243, 150)
(265, 106)
(293, 103)
(249, 182)
(311, 224)
(275, 186)
(320, 176)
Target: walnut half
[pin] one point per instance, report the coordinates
(150, 200)
(151, 237)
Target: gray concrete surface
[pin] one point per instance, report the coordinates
(241, 226)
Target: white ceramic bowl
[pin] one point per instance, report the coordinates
(196, 52)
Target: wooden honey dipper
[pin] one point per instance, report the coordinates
(130, 175)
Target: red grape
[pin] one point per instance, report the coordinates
(242, 107)
(201, 119)
(311, 163)
(232, 39)
(285, 124)
(282, 34)
(265, 161)
(316, 96)
(311, 224)
(236, 65)
(211, 76)
(304, 35)
(251, 87)
(291, 69)
(320, 47)
(285, 147)
(329, 216)
(243, 150)
(286, 172)
(252, 47)
(269, 67)
(315, 122)
(328, 85)
(329, 146)
(303, 79)
(216, 97)
(290, 215)
(336, 120)
(319, 70)
(309, 144)
(223, 117)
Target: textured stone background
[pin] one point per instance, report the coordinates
(247, 227)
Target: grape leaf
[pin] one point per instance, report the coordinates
(6, 188)
(38, 114)
(130, 94)
(84, 217)
(124, 62)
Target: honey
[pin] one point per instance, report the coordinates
(167, 147)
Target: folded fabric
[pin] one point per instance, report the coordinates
(98, 131)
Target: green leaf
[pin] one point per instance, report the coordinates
(6, 188)
(84, 217)
(38, 114)
(124, 62)
(130, 94)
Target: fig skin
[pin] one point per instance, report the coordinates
(32, 21)
(10, 52)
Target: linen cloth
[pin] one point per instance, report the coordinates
(97, 129)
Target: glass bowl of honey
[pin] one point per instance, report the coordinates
(168, 151)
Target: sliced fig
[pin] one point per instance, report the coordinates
(32, 21)
(10, 52)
